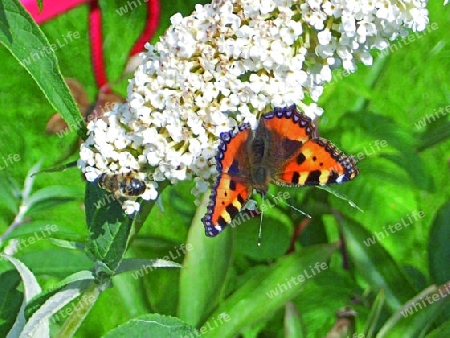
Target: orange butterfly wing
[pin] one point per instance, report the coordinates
(318, 162)
(233, 187)
(288, 128)
(299, 156)
(286, 147)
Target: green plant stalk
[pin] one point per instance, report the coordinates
(81, 310)
(375, 72)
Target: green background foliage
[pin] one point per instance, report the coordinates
(382, 115)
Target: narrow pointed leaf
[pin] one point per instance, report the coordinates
(441, 331)
(31, 289)
(23, 37)
(152, 325)
(143, 264)
(82, 308)
(10, 299)
(293, 325)
(206, 267)
(417, 315)
(40, 299)
(376, 266)
(374, 315)
(41, 230)
(49, 197)
(438, 248)
(9, 193)
(67, 244)
(56, 262)
(262, 295)
(55, 303)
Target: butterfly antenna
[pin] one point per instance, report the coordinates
(338, 195)
(291, 206)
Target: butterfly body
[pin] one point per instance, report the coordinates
(283, 150)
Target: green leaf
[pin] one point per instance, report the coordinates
(23, 37)
(413, 164)
(152, 325)
(178, 202)
(374, 315)
(253, 331)
(438, 248)
(261, 296)
(417, 315)
(379, 184)
(109, 227)
(41, 230)
(376, 266)
(29, 181)
(275, 236)
(68, 244)
(78, 313)
(206, 267)
(53, 304)
(10, 300)
(158, 247)
(143, 264)
(163, 297)
(56, 262)
(370, 127)
(31, 289)
(293, 325)
(49, 197)
(441, 331)
(128, 292)
(111, 230)
(370, 81)
(9, 193)
(40, 299)
(434, 134)
(320, 319)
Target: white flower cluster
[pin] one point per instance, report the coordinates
(226, 64)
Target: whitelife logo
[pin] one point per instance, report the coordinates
(390, 229)
(296, 280)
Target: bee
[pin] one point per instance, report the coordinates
(122, 185)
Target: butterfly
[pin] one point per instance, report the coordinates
(284, 150)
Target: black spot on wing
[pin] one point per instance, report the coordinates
(333, 177)
(295, 178)
(241, 199)
(313, 177)
(232, 185)
(232, 210)
(301, 158)
(221, 221)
